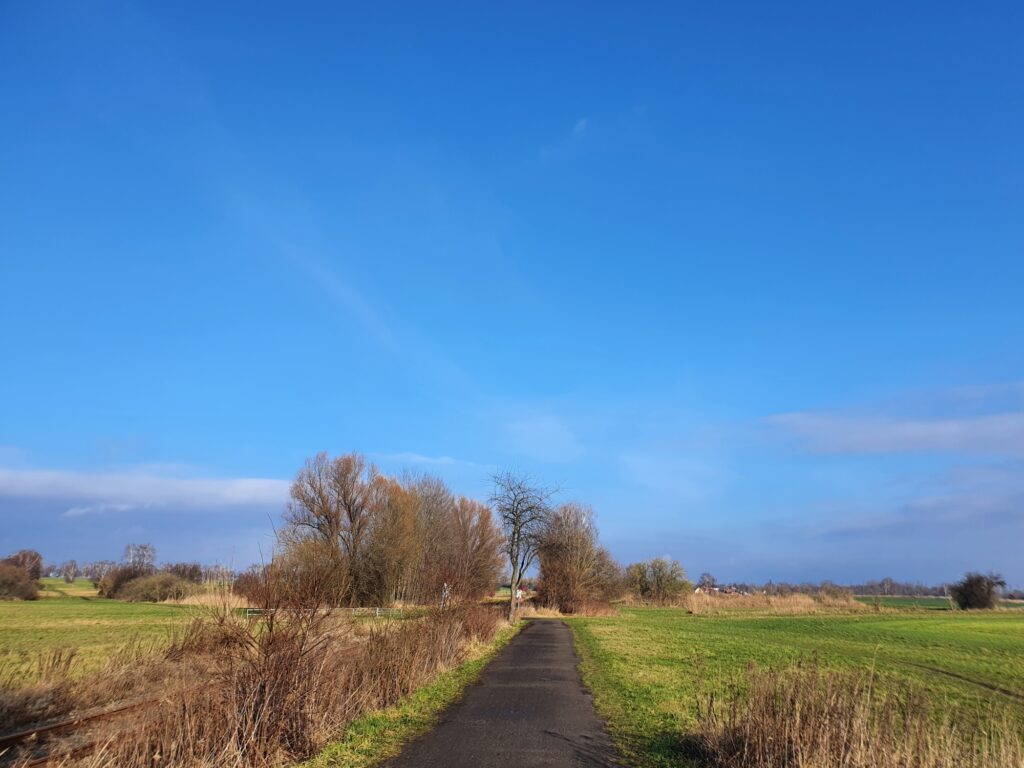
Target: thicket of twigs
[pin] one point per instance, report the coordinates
(808, 717)
(252, 693)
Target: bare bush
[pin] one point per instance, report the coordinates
(157, 588)
(16, 584)
(117, 578)
(810, 717)
(977, 591)
(193, 572)
(270, 691)
(27, 560)
(69, 571)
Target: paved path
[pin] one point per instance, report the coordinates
(529, 708)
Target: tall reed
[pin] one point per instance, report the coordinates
(809, 717)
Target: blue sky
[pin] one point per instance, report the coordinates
(747, 279)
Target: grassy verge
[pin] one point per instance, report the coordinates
(380, 735)
(647, 668)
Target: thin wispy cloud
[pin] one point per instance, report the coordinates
(423, 460)
(976, 498)
(344, 294)
(91, 492)
(998, 434)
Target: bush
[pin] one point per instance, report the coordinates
(188, 571)
(977, 591)
(157, 588)
(16, 584)
(29, 561)
(117, 578)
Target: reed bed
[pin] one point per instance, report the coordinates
(796, 604)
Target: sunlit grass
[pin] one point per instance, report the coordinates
(646, 667)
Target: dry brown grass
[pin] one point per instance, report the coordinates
(534, 610)
(214, 599)
(238, 693)
(811, 718)
(782, 605)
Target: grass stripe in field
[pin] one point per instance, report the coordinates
(647, 665)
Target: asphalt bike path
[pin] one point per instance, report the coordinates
(529, 708)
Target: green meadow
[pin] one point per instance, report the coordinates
(71, 616)
(648, 667)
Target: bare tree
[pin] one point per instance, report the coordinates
(69, 571)
(95, 572)
(29, 561)
(574, 568)
(707, 582)
(140, 557)
(333, 501)
(523, 509)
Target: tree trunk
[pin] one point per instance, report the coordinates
(513, 584)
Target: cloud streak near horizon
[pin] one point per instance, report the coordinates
(95, 492)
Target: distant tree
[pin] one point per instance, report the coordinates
(660, 580)
(523, 509)
(69, 571)
(140, 557)
(95, 571)
(29, 561)
(707, 582)
(219, 575)
(250, 583)
(188, 571)
(977, 590)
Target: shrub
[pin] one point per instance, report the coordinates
(29, 561)
(115, 579)
(249, 583)
(156, 589)
(977, 591)
(16, 584)
(188, 571)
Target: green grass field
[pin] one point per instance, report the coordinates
(647, 666)
(71, 616)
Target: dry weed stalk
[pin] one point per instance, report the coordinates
(809, 717)
(254, 693)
